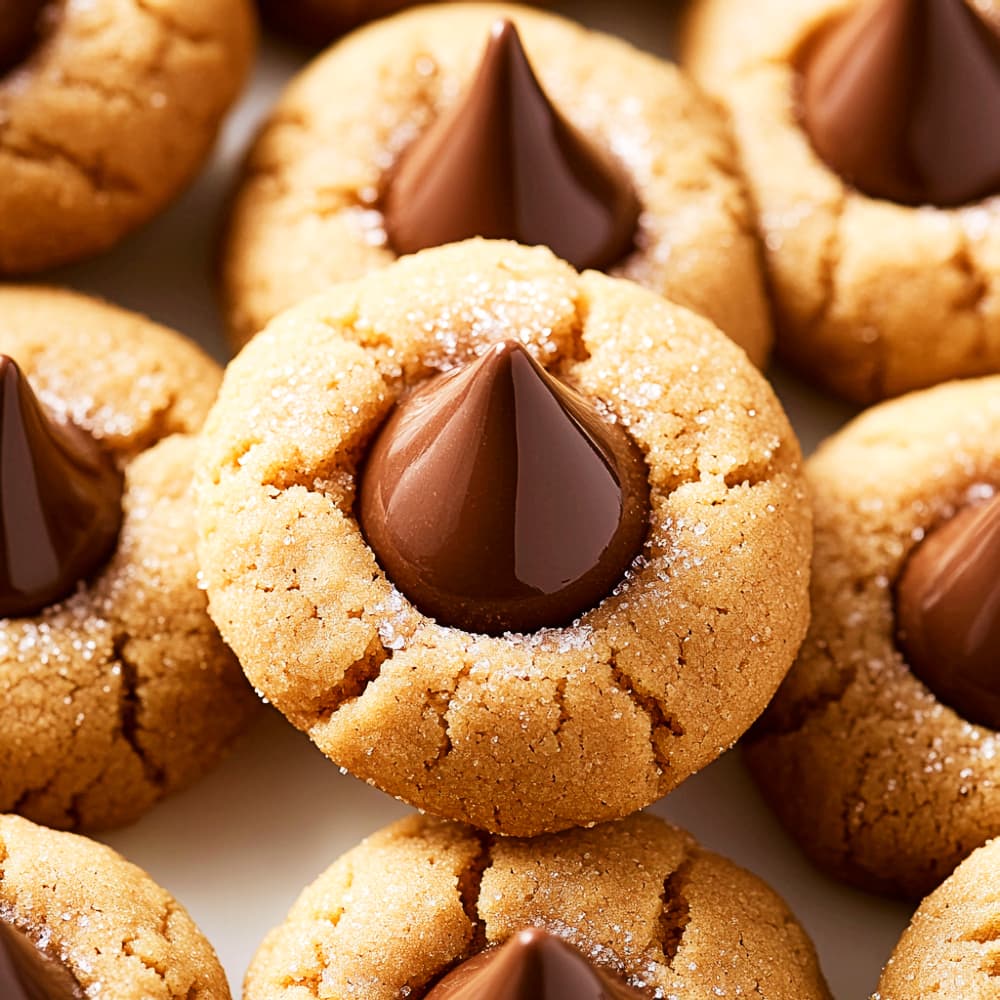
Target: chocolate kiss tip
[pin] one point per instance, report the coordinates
(498, 499)
(26, 973)
(532, 965)
(60, 501)
(18, 30)
(948, 613)
(900, 98)
(505, 164)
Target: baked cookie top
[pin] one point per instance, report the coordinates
(310, 209)
(882, 780)
(119, 689)
(639, 898)
(77, 920)
(514, 733)
(108, 110)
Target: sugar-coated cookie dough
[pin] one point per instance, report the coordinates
(98, 924)
(638, 897)
(308, 211)
(519, 734)
(317, 21)
(123, 691)
(873, 298)
(111, 112)
(880, 782)
(950, 950)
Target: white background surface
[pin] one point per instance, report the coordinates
(238, 847)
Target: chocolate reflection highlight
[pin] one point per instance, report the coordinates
(27, 973)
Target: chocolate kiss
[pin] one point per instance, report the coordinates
(532, 965)
(948, 613)
(60, 501)
(506, 164)
(497, 499)
(26, 973)
(902, 99)
(18, 30)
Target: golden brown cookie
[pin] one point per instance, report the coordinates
(526, 733)
(115, 689)
(310, 208)
(874, 297)
(77, 920)
(882, 781)
(316, 22)
(639, 897)
(107, 109)
(950, 950)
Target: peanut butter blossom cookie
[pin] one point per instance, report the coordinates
(868, 133)
(115, 687)
(951, 950)
(78, 921)
(522, 547)
(623, 911)
(495, 121)
(881, 752)
(107, 110)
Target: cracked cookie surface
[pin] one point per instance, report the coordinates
(638, 896)
(307, 213)
(124, 691)
(517, 734)
(951, 950)
(119, 934)
(109, 117)
(873, 299)
(881, 783)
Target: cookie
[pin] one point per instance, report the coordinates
(638, 902)
(616, 701)
(873, 175)
(949, 951)
(77, 920)
(108, 109)
(609, 156)
(115, 687)
(316, 22)
(880, 751)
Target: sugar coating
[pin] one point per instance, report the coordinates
(517, 734)
(124, 691)
(307, 213)
(951, 950)
(873, 299)
(110, 117)
(638, 896)
(881, 783)
(118, 933)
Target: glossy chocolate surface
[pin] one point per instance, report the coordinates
(506, 164)
(499, 499)
(948, 613)
(532, 965)
(901, 99)
(19, 30)
(60, 501)
(27, 973)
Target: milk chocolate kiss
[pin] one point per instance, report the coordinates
(506, 164)
(60, 501)
(532, 965)
(19, 22)
(948, 613)
(902, 99)
(26, 973)
(497, 499)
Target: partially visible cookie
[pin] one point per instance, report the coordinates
(446, 128)
(951, 950)
(78, 921)
(881, 751)
(638, 898)
(115, 687)
(107, 109)
(316, 22)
